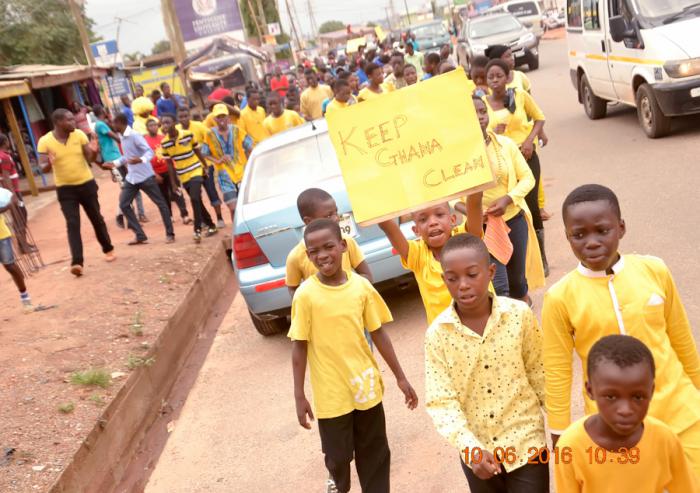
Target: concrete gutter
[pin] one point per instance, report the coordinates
(102, 459)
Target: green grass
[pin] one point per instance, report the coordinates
(94, 377)
(66, 407)
(137, 361)
(97, 400)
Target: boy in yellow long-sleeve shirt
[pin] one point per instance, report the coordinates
(612, 294)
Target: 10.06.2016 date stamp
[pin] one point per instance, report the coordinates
(543, 455)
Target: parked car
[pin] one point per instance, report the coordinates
(430, 36)
(267, 224)
(554, 19)
(527, 11)
(478, 33)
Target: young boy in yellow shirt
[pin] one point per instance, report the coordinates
(484, 379)
(434, 226)
(7, 256)
(313, 204)
(621, 448)
(613, 294)
(329, 314)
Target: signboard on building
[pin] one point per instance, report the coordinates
(106, 53)
(274, 29)
(151, 78)
(200, 20)
(117, 86)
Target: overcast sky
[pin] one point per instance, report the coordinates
(143, 23)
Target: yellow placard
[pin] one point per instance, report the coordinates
(152, 78)
(411, 148)
(354, 44)
(381, 35)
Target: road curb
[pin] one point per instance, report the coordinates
(104, 456)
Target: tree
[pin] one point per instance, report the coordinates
(40, 31)
(162, 46)
(330, 26)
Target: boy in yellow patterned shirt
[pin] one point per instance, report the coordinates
(329, 313)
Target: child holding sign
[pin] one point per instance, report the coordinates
(329, 313)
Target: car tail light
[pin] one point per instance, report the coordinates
(247, 252)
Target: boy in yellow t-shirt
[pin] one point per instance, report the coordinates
(280, 119)
(620, 448)
(613, 294)
(329, 313)
(342, 96)
(313, 204)
(252, 116)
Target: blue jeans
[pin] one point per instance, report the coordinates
(510, 279)
(7, 255)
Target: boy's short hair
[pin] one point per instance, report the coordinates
(479, 61)
(321, 224)
(370, 68)
(466, 241)
(409, 66)
(339, 84)
(432, 58)
(621, 350)
(592, 193)
(168, 115)
(309, 199)
(121, 118)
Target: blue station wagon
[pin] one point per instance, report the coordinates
(267, 224)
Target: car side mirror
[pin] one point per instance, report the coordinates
(619, 30)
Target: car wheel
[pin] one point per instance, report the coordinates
(653, 121)
(270, 327)
(533, 62)
(595, 107)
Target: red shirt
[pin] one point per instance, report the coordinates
(279, 85)
(159, 164)
(8, 164)
(219, 94)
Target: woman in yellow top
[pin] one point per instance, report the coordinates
(514, 180)
(515, 114)
(376, 86)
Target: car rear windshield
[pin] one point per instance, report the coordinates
(292, 167)
(523, 9)
(495, 25)
(429, 31)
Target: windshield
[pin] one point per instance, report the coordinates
(288, 168)
(655, 9)
(493, 26)
(429, 31)
(523, 9)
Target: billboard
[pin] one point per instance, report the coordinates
(201, 19)
(106, 53)
(151, 78)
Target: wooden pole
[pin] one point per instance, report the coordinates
(79, 22)
(257, 23)
(19, 141)
(177, 42)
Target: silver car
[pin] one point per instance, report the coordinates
(478, 33)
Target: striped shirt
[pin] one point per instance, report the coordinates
(181, 151)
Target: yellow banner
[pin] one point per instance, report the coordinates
(151, 78)
(354, 44)
(410, 148)
(381, 35)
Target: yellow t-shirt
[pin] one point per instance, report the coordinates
(288, 119)
(311, 100)
(68, 164)
(300, 267)
(344, 374)
(198, 129)
(366, 93)
(4, 229)
(519, 123)
(520, 81)
(428, 272)
(251, 123)
(181, 151)
(661, 466)
(334, 104)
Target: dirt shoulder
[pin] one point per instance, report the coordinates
(106, 320)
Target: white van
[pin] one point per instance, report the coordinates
(643, 53)
(528, 12)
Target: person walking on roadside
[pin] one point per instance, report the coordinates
(187, 163)
(140, 176)
(67, 152)
(160, 168)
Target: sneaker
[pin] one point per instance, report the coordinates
(143, 218)
(330, 486)
(211, 231)
(27, 306)
(120, 221)
(220, 224)
(76, 270)
(170, 239)
(197, 237)
(110, 256)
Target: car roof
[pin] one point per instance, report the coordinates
(491, 15)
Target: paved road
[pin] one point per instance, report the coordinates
(238, 430)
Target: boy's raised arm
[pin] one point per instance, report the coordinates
(386, 349)
(396, 238)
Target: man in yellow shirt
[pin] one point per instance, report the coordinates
(484, 379)
(329, 314)
(67, 152)
(280, 119)
(313, 96)
(252, 117)
(612, 294)
(620, 448)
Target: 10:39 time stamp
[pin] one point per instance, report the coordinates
(564, 455)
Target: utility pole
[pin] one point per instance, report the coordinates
(294, 29)
(257, 23)
(408, 14)
(80, 23)
(312, 19)
(262, 16)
